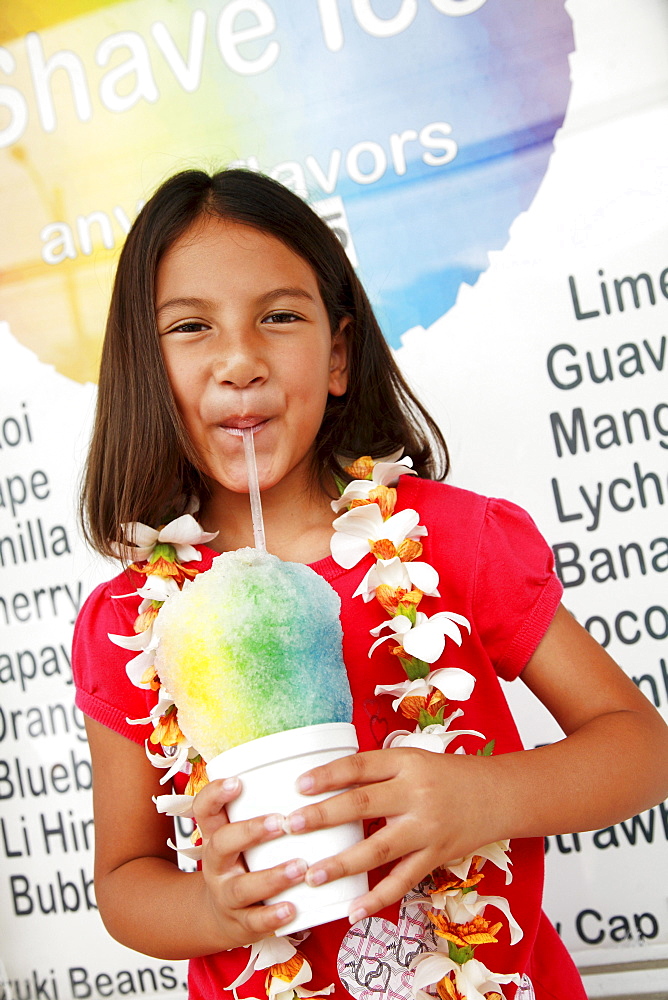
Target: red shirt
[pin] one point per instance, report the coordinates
(497, 571)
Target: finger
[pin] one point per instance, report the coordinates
(209, 804)
(361, 802)
(251, 888)
(405, 875)
(224, 846)
(258, 922)
(356, 769)
(382, 848)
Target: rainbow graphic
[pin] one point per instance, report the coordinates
(421, 130)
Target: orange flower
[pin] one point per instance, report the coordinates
(409, 550)
(384, 496)
(477, 931)
(146, 619)
(447, 990)
(167, 732)
(400, 652)
(413, 704)
(362, 468)
(287, 972)
(150, 677)
(198, 777)
(391, 597)
(444, 879)
(383, 548)
(166, 569)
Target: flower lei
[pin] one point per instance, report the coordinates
(159, 555)
(398, 581)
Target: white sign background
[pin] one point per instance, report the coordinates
(482, 368)
(601, 214)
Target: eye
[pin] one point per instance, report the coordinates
(281, 316)
(189, 326)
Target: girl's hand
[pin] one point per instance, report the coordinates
(441, 807)
(235, 895)
(420, 795)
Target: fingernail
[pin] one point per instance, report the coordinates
(274, 823)
(231, 784)
(296, 823)
(283, 912)
(316, 877)
(358, 914)
(296, 869)
(305, 783)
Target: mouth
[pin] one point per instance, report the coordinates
(237, 425)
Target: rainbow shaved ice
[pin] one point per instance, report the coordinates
(252, 647)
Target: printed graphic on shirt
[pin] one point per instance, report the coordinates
(375, 955)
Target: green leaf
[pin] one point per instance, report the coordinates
(410, 611)
(487, 750)
(163, 550)
(340, 484)
(426, 719)
(459, 955)
(414, 668)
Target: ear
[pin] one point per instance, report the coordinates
(338, 360)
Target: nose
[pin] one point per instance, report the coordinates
(239, 364)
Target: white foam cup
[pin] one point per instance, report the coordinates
(268, 768)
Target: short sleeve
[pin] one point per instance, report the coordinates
(103, 689)
(516, 591)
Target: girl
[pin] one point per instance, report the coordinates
(236, 307)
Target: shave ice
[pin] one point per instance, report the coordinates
(250, 651)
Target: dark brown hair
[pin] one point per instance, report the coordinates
(141, 465)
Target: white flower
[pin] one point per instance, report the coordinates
(425, 639)
(285, 989)
(397, 574)
(435, 738)
(175, 805)
(137, 668)
(472, 979)
(158, 588)
(291, 992)
(193, 853)
(263, 954)
(454, 684)
(174, 762)
(461, 908)
(162, 705)
(271, 951)
(357, 530)
(385, 473)
(183, 533)
(497, 853)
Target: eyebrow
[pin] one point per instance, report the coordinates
(288, 292)
(186, 303)
(292, 292)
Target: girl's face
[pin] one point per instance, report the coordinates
(247, 343)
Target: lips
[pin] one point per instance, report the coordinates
(237, 425)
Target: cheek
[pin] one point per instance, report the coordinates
(182, 381)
